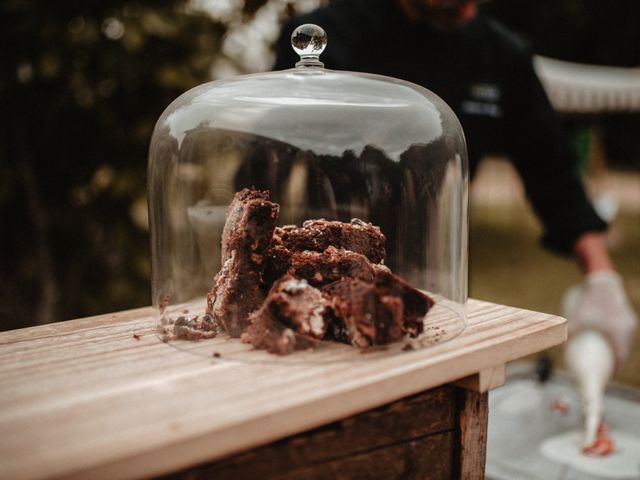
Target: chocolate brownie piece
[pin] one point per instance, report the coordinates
(337, 330)
(371, 317)
(299, 306)
(292, 314)
(317, 235)
(291, 306)
(251, 220)
(235, 294)
(416, 303)
(247, 233)
(277, 260)
(266, 333)
(321, 268)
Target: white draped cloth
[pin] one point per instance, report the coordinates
(581, 88)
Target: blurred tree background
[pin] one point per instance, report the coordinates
(82, 84)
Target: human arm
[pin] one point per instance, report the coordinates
(547, 166)
(592, 254)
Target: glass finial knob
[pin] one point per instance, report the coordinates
(309, 41)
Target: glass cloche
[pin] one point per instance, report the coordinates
(308, 215)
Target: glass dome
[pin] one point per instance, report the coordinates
(308, 214)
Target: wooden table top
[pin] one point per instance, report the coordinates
(104, 397)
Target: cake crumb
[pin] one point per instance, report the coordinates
(194, 328)
(373, 349)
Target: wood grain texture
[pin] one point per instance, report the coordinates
(412, 418)
(485, 380)
(472, 435)
(416, 459)
(86, 398)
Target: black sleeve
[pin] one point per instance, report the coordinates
(545, 160)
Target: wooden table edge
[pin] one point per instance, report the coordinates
(257, 432)
(260, 430)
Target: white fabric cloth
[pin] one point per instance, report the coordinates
(581, 88)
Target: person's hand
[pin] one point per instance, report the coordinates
(601, 303)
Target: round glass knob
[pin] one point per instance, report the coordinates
(309, 41)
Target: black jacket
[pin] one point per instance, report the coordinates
(486, 76)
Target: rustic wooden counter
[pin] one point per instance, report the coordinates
(104, 397)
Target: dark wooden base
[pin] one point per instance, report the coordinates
(438, 434)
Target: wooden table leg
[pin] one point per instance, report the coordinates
(485, 380)
(471, 441)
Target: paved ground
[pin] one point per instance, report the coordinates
(508, 266)
(521, 421)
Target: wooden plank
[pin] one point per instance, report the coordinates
(411, 418)
(421, 458)
(60, 329)
(485, 380)
(472, 435)
(416, 459)
(87, 399)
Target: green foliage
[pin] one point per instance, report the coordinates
(82, 85)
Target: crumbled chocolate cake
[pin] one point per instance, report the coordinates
(317, 235)
(416, 304)
(247, 234)
(251, 211)
(283, 288)
(337, 330)
(265, 332)
(193, 328)
(370, 316)
(322, 268)
(299, 306)
(277, 260)
(288, 247)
